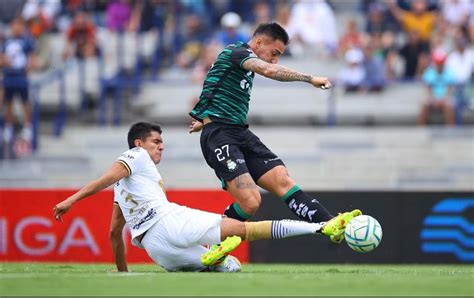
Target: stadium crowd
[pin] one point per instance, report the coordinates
(387, 41)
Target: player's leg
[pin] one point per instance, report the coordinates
(278, 182)
(247, 197)
(232, 231)
(304, 206)
(221, 147)
(271, 174)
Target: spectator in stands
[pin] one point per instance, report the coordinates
(415, 53)
(9, 10)
(351, 38)
(418, 18)
(454, 14)
(81, 38)
(39, 18)
(461, 63)
(16, 57)
(117, 15)
(352, 76)
(378, 20)
(262, 13)
(439, 81)
(230, 32)
(207, 58)
(190, 41)
(312, 26)
(374, 68)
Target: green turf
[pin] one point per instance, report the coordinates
(261, 279)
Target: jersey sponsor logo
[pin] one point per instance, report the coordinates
(151, 213)
(127, 156)
(244, 84)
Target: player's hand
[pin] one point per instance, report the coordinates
(195, 126)
(61, 208)
(321, 82)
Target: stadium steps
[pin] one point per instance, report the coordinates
(340, 158)
(170, 100)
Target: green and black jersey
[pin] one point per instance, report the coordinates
(226, 92)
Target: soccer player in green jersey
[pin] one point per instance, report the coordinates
(240, 160)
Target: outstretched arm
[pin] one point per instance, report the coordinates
(284, 74)
(116, 172)
(116, 240)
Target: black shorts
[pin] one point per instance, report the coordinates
(232, 150)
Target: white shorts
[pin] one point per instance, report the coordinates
(176, 241)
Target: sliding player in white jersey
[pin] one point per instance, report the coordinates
(174, 236)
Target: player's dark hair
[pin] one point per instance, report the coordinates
(141, 130)
(273, 30)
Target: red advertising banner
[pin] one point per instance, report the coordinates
(29, 232)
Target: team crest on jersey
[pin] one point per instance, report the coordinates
(231, 165)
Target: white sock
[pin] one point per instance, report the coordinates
(290, 228)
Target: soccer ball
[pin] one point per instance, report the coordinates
(363, 233)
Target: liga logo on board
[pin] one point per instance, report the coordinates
(449, 230)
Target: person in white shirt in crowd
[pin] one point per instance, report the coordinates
(461, 63)
(312, 25)
(352, 75)
(454, 13)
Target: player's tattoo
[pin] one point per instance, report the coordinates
(256, 65)
(287, 75)
(245, 181)
(279, 73)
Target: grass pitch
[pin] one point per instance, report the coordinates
(256, 279)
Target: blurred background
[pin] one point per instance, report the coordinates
(395, 137)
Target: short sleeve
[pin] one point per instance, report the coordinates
(134, 159)
(429, 76)
(240, 54)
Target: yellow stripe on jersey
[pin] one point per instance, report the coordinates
(126, 166)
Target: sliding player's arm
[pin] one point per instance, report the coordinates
(116, 241)
(284, 74)
(116, 172)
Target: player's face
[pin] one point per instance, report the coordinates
(153, 144)
(269, 50)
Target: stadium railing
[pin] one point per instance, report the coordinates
(60, 118)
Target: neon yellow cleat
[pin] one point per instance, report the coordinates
(334, 228)
(218, 253)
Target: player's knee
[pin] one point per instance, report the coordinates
(284, 181)
(251, 205)
(115, 233)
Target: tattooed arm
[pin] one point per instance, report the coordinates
(284, 74)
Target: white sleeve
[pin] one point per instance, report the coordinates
(134, 160)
